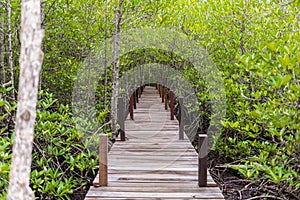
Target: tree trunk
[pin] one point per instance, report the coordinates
(10, 58)
(105, 54)
(42, 25)
(3, 77)
(42, 12)
(31, 59)
(115, 71)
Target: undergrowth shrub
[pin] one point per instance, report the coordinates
(261, 74)
(62, 165)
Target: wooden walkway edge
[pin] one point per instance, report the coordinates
(153, 163)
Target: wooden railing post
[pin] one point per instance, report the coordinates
(181, 118)
(131, 106)
(103, 149)
(140, 91)
(121, 117)
(159, 90)
(162, 94)
(134, 99)
(202, 160)
(137, 95)
(166, 98)
(172, 104)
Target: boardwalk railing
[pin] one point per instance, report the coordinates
(164, 94)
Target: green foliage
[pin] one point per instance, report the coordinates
(7, 110)
(276, 170)
(62, 164)
(62, 161)
(71, 29)
(256, 45)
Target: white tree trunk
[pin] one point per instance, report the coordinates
(105, 54)
(42, 12)
(115, 71)
(42, 24)
(3, 77)
(10, 59)
(30, 64)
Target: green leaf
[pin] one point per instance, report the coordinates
(286, 79)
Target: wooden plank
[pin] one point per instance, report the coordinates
(143, 176)
(170, 194)
(157, 189)
(153, 184)
(162, 171)
(134, 153)
(159, 182)
(112, 198)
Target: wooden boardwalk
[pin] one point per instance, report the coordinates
(153, 163)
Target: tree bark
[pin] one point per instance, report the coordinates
(42, 25)
(9, 39)
(31, 59)
(105, 54)
(3, 77)
(116, 63)
(42, 12)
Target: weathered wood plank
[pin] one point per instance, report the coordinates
(112, 198)
(158, 189)
(153, 184)
(154, 194)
